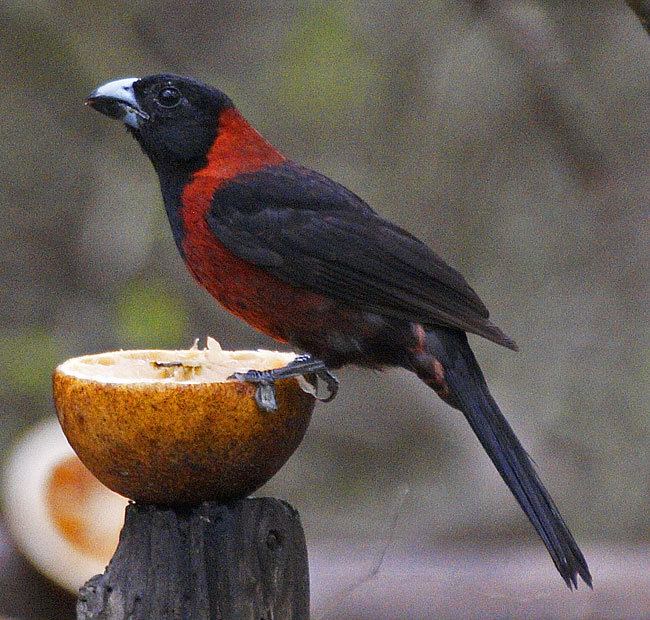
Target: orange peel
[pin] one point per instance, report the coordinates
(169, 427)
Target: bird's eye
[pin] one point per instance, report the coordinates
(169, 97)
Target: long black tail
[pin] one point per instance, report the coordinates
(470, 394)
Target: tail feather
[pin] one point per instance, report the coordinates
(470, 394)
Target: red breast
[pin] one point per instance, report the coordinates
(242, 288)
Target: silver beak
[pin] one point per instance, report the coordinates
(117, 100)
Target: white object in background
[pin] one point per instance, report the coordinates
(26, 489)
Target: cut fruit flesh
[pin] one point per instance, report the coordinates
(210, 365)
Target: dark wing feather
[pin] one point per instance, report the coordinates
(312, 232)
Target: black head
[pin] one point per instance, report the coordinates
(175, 119)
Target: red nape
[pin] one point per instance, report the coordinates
(237, 149)
(268, 304)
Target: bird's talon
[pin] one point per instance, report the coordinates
(332, 384)
(265, 397)
(265, 392)
(303, 365)
(252, 376)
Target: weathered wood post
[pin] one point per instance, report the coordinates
(246, 559)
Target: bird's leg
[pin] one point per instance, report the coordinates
(301, 365)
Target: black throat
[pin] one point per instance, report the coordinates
(173, 176)
(172, 182)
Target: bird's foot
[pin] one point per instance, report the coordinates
(303, 365)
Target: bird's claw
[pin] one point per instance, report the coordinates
(265, 397)
(303, 365)
(265, 392)
(331, 382)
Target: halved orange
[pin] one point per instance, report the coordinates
(168, 427)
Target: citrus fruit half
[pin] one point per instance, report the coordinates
(169, 427)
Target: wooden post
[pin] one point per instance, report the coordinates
(244, 560)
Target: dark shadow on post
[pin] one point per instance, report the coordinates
(242, 560)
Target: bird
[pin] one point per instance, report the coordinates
(307, 262)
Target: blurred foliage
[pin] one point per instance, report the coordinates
(148, 316)
(28, 359)
(326, 63)
(510, 136)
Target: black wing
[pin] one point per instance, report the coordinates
(312, 232)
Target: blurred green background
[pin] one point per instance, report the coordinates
(511, 136)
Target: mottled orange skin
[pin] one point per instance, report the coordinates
(180, 443)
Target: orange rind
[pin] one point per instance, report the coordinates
(170, 428)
